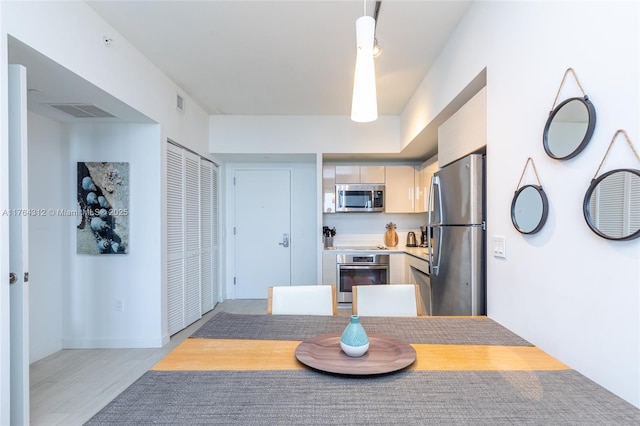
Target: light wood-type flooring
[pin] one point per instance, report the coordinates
(70, 386)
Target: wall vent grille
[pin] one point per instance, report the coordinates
(82, 110)
(180, 103)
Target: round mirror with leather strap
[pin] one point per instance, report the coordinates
(569, 128)
(612, 205)
(529, 209)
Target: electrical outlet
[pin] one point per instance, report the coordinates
(499, 249)
(119, 305)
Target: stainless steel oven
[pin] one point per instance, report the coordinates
(360, 269)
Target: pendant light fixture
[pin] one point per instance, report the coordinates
(364, 104)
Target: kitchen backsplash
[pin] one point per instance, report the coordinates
(365, 229)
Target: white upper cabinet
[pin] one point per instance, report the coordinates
(359, 174)
(465, 132)
(399, 189)
(328, 189)
(347, 174)
(372, 174)
(423, 184)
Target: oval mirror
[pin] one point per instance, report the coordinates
(569, 128)
(529, 209)
(612, 205)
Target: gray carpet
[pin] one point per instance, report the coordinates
(451, 331)
(405, 398)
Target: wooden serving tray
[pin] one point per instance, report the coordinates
(385, 354)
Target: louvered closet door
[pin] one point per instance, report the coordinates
(192, 237)
(206, 235)
(175, 239)
(215, 248)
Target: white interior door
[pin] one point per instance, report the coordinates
(262, 231)
(18, 245)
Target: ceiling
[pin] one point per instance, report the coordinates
(292, 57)
(263, 57)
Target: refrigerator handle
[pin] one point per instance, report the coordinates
(433, 199)
(435, 183)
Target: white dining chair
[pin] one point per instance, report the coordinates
(302, 300)
(402, 300)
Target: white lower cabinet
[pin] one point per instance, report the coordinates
(329, 271)
(397, 268)
(417, 271)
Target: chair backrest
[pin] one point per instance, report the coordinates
(302, 300)
(402, 300)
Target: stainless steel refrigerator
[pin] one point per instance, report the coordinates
(457, 223)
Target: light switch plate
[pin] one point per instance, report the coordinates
(499, 249)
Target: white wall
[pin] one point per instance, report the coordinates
(566, 290)
(97, 281)
(70, 33)
(48, 239)
(302, 134)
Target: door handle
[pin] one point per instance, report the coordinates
(12, 278)
(285, 240)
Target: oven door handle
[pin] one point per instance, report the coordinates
(344, 266)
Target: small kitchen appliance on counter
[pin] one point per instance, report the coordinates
(423, 237)
(411, 239)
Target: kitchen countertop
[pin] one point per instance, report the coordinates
(419, 252)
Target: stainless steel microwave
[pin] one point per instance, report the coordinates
(359, 197)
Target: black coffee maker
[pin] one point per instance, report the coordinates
(424, 234)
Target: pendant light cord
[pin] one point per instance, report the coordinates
(376, 12)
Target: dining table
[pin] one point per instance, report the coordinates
(247, 369)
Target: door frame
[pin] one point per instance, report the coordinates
(5, 368)
(14, 298)
(228, 288)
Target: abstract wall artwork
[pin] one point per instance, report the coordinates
(103, 199)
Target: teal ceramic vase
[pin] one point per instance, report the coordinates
(354, 341)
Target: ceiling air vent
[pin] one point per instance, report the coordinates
(82, 110)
